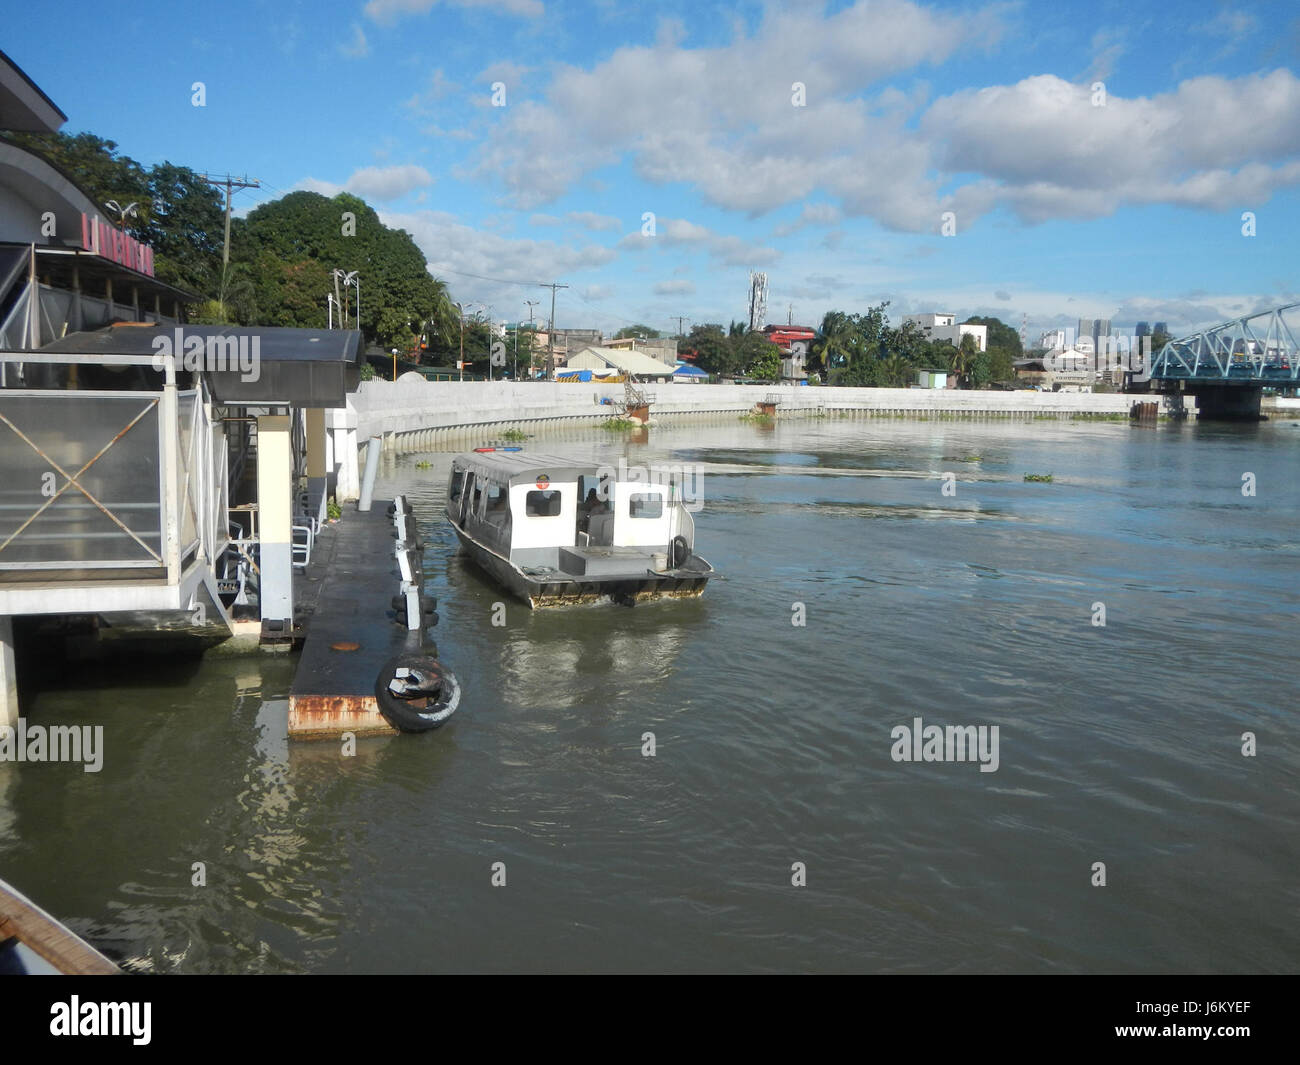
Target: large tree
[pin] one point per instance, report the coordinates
(398, 296)
(629, 332)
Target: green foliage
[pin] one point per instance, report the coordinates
(1045, 478)
(210, 312)
(176, 212)
(630, 331)
(514, 435)
(619, 425)
(332, 510)
(711, 347)
(304, 234)
(756, 356)
(367, 372)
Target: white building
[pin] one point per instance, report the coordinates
(945, 327)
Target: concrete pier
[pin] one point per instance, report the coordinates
(351, 632)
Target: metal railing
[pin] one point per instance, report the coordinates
(102, 480)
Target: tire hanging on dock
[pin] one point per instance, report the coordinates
(416, 693)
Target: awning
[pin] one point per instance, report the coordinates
(244, 365)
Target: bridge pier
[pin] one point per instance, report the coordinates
(1230, 403)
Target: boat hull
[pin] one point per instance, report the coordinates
(558, 590)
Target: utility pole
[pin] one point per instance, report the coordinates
(680, 319)
(231, 184)
(531, 303)
(550, 333)
(461, 363)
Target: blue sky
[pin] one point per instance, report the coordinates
(1068, 201)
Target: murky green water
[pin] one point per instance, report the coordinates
(1118, 744)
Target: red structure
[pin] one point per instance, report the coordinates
(784, 335)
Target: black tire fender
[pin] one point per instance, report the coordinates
(678, 551)
(423, 698)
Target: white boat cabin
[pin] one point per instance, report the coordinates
(537, 510)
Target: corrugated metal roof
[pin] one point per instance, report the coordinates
(516, 466)
(628, 362)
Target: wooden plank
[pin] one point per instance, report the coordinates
(54, 942)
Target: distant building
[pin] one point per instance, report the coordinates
(630, 363)
(944, 326)
(931, 378)
(1070, 370)
(1053, 339)
(1162, 327)
(567, 341)
(1093, 330)
(795, 342)
(1142, 329)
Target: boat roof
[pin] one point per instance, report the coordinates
(516, 467)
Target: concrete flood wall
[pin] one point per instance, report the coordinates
(413, 414)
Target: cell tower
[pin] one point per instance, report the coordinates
(757, 301)
(1024, 332)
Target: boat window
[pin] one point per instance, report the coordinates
(457, 484)
(645, 506)
(589, 482)
(542, 504)
(477, 508)
(496, 498)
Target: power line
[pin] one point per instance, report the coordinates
(231, 184)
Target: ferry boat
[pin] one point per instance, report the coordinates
(555, 532)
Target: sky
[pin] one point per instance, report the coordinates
(1046, 160)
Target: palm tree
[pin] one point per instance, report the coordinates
(838, 342)
(897, 371)
(962, 360)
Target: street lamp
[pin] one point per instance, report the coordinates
(129, 211)
(350, 277)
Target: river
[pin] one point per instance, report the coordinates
(1119, 744)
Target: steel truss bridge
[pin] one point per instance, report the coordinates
(1255, 351)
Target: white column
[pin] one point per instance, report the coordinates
(275, 516)
(343, 424)
(8, 673)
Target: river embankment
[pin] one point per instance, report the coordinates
(412, 413)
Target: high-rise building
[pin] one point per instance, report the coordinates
(1162, 327)
(1142, 329)
(1094, 329)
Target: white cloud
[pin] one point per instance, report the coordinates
(813, 214)
(381, 183)
(591, 220)
(1044, 149)
(728, 249)
(721, 120)
(1231, 23)
(454, 249)
(358, 48)
(674, 288)
(387, 12)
